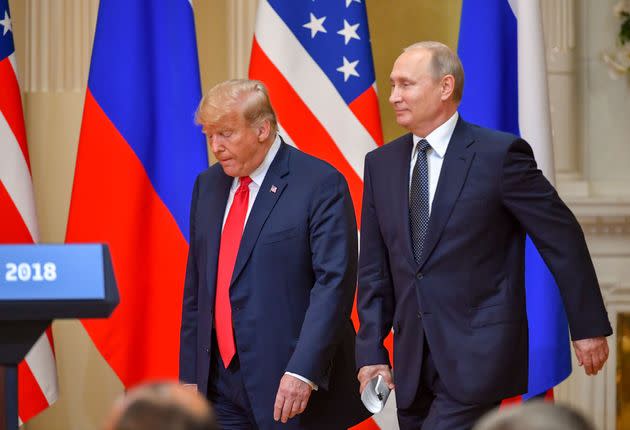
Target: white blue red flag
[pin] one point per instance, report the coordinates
(316, 59)
(139, 153)
(502, 51)
(37, 388)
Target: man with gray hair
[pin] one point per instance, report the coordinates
(266, 331)
(161, 406)
(534, 415)
(446, 209)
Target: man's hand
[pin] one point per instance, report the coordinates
(291, 399)
(591, 353)
(366, 373)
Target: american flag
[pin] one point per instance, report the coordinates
(316, 60)
(37, 373)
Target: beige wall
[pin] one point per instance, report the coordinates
(212, 30)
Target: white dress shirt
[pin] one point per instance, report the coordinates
(257, 177)
(438, 139)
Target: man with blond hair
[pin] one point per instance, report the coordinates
(266, 330)
(446, 209)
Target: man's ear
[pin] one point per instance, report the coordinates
(264, 130)
(447, 86)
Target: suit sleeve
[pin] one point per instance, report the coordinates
(333, 243)
(375, 299)
(558, 237)
(188, 333)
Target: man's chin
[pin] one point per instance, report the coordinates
(229, 170)
(402, 121)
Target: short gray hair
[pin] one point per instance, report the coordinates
(249, 95)
(534, 415)
(162, 406)
(443, 62)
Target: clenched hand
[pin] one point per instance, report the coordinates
(368, 372)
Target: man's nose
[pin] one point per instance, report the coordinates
(214, 144)
(394, 96)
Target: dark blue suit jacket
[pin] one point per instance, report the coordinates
(292, 289)
(468, 292)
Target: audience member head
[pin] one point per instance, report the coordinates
(161, 406)
(535, 415)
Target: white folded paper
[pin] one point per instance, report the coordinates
(375, 394)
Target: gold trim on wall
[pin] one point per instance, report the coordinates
(397, 24)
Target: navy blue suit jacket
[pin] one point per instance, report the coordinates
(292, 289)
(467, 293)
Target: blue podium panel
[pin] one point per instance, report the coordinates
(39, 283)
(45, 282)
(51, 272)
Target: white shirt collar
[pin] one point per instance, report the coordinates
(439, 138)
(258, 175)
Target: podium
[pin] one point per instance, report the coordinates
(40, 283)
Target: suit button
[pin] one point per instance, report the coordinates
(207, 349)
(419, 314)
(419, 276)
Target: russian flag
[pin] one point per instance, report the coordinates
(502, 51)
(139, 153)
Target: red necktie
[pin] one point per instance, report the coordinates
(228, 250)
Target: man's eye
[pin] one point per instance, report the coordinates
(227, 133)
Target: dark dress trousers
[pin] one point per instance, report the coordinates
(291, 292)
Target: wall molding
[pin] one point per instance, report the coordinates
(58, 39)
(560, 50)
(241, 21)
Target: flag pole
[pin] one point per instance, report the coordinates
(9, 398)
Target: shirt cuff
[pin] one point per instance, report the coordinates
(303, 379)
(190, 386)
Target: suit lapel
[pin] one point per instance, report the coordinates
(270, 191)
(213, 212)
(457, 161)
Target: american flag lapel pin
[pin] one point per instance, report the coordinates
(273, 189)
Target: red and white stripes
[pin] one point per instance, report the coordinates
(37, 373)
(313, 115)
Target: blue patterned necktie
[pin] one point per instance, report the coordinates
(419, 200)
